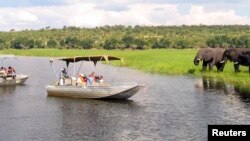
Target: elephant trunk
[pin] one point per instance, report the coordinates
(197, 60)
(226, 56)
(223, 59)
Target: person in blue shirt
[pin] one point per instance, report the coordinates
(91, 79)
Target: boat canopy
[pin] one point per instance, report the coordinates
(95, 59)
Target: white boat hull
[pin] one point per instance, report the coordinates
(114, 91)
(20, 79)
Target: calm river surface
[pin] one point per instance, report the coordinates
(169, 108)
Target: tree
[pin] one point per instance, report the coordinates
(140, 44)
(137, 37)
(51, 43)
(181, 44)
(219, 41)
(19, 43)
(112, 43)
(39, 44)
(71, 42)
(62, 43)
(64, 27)
(2, 44)
(30, 43)
(243, 41)
(163, 43)
(86, 43)
(128, 40)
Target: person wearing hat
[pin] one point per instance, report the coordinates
(64, 73)
(82, 79)
(63, 76)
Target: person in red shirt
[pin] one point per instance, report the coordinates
(11, 72)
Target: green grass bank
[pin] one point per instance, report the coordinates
(160, 61)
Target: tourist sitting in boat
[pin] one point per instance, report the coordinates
(11, 72)
(91, 79)
(82, 79)
(99, 79)
(3, 72)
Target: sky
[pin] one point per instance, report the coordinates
(37, 14)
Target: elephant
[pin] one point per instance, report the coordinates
(210, 57)
(240, 56)
(247, 56)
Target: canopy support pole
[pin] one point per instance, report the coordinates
(74, 67)
(79, 68)
(52, 66)
(115, 72)
(93, 69)
(20, 71)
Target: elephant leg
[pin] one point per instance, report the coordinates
(237, 67)
(211, 66)
(220, 66)
(204, 66)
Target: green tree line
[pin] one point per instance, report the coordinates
(128, 37)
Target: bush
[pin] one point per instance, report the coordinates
(112, 44)
(22, 43)
(51, 43)
(71, 42)
(86, 43)
(2, 44)
(181, 44)
(163, 43)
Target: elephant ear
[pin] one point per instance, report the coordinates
(208, 57)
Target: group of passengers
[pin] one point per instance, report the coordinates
(89, 80)
(82, 79)
(7, 72)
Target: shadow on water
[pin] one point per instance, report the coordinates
(90, 101)
(210, 84)
(11, 89)
(243, 92)
(7, 90)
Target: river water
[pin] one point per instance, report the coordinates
(169, 108)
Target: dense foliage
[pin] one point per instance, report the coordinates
(128, 37)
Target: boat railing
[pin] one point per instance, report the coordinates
(73, 82)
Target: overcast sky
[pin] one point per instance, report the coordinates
(37, 14)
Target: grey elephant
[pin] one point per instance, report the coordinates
(210, 57)
(239, 56)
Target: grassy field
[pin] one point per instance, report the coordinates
(165, 61)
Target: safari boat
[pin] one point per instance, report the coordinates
(71, 88)
(6, 80)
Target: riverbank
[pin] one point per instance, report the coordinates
(160, 61)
